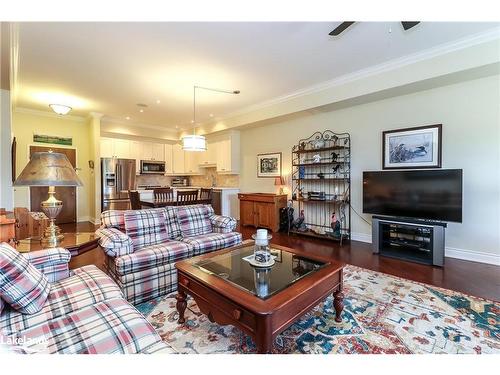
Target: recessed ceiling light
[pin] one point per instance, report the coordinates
(158, 101)
(177, 126)
(141, 110)
(211, 115)
(192, 121)
(127, 118)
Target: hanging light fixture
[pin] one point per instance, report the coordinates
(194, 142)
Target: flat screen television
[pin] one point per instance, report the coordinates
(422, 194)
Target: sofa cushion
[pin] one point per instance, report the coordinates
(152, 256)
(87, 286)
(113, 219)
(194, 220)
(110, 326)
(22, 286)
(213, 241)
(145, 227)
(172, 223)
(53, 262)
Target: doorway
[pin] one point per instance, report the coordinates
(66, 194)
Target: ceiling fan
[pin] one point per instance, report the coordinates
(407, 25)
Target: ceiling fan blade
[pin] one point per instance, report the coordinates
(340, 28)
(407, 25)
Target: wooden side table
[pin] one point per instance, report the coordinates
(78, 244)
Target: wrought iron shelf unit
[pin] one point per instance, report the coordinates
(321, 186)
(319, 149)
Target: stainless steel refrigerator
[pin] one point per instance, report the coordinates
(117, 178)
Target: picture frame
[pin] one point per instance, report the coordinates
(269, 165)
(412, 148)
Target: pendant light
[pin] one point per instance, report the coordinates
(195, 142)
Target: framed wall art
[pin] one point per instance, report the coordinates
(412, 148)
(269, 165)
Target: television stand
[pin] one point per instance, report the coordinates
(420, 241)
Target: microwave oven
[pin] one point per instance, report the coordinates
(152, 167)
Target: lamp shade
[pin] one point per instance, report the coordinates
(194, 143)
(48, 169)
(278, 181)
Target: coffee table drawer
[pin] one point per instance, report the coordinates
(216, 306)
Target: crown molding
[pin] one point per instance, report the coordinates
(436, 51)
(37, 112)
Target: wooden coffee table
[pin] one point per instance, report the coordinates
(261, 302)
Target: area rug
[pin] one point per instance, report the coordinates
(382, 314)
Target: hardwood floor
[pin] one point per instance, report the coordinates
(473, 278)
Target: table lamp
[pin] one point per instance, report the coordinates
(280, 181)
(49, 169)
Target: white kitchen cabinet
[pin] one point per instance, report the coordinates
(227, 148)
(153, 151)
(178, 162)
(157, 151)
(168, 158)
(136, 153)
(147, 151)
(114, 148)
(121, 148)
(106, 148)
(208, 158)
(192, 162)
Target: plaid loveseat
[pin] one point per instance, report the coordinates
(142, 246)
(85, 313)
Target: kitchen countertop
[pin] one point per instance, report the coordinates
(194, 187)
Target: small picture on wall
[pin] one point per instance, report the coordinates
(269, 165)
(412, 148)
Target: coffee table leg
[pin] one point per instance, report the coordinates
(338, 304)
(264, 344)
(181, 305)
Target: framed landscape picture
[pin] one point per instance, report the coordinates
(412, 148)
(269, 165)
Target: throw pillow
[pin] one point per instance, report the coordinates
(194, 220)
(145, 227)
(22, 286)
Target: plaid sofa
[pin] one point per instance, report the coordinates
(85, 313)
(142, 246)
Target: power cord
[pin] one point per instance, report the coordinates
(361, 217)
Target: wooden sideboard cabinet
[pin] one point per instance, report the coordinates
(261, 210)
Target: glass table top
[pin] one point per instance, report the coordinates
(262, 282)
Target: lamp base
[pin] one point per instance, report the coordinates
(52, 235)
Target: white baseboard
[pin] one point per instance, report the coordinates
(472, 255)
(450, 252)
(362, 237)
(86, 218)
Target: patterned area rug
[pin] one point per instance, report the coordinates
(382, 314)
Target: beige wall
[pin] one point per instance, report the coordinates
(23, 127)
(469, 112)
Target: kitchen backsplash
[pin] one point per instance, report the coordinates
(153, 179)
(221, 180)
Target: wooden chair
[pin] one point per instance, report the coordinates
(185, 198)
(135, 200)
(205, 196)
(163, 194)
